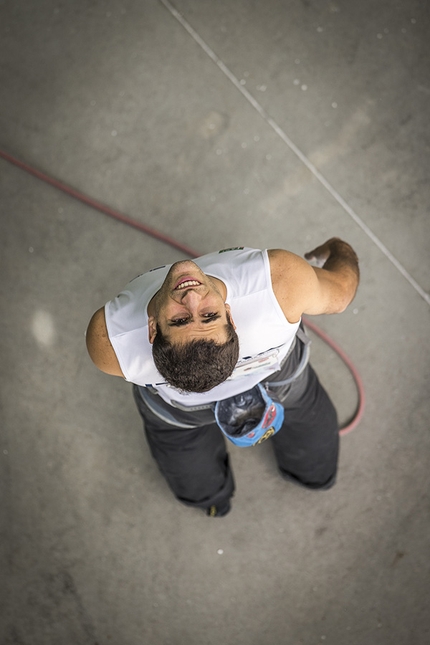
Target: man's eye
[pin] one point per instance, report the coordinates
(207, 318)
(178, 322)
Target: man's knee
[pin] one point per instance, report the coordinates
(310, 484)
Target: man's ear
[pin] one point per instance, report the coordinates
(152, 329)
(228, 310)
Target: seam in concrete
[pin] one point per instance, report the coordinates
(303, 158)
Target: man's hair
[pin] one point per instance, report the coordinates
(197, 366)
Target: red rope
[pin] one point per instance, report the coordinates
(89, 201)
(357, 378)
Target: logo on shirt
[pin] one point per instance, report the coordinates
(156, 268)
(268, 360)
(233, 248)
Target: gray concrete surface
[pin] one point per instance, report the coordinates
(118, 100)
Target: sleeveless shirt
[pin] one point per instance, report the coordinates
(265, 335)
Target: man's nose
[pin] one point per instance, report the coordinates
(191, 298)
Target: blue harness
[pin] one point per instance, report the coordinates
(249, 418)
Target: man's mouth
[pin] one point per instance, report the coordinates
(186, 283)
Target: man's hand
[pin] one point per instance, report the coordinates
(336, 250)
(319, 256)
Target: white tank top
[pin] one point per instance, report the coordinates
(265, 335)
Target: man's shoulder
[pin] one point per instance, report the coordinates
(99, 346)
(284, 262)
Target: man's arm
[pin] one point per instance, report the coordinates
(99, 346)
(326, 289)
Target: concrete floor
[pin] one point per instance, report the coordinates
(119, 100)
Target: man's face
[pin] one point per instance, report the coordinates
(189, 305)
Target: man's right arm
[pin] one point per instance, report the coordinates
(327, 288)
(99, 346)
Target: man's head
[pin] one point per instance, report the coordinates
(195, 346)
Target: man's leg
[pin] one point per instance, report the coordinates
(307, 445)
(194, 461)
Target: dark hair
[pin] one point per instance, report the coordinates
(197, 366)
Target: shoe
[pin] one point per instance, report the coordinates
(218, 511)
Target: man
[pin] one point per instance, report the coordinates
(197, 337)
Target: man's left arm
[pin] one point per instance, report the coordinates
(326, 288)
